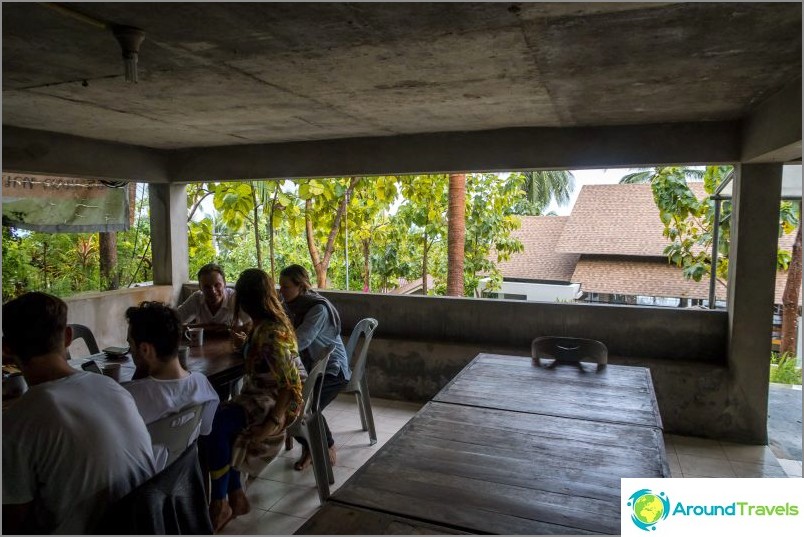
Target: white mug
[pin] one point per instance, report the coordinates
(195, 336)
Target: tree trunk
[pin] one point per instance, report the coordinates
(107, 245)
(790, 299)
(424, 265)
(320, 275)
(270, 229)
(321, 264)
(256, 227)
(456, 233)
(366, 265)
(132, 203)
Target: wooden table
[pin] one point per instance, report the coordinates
(215, 359)
(616, 394)
(510, 448)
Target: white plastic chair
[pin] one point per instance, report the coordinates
(310, 426)
(358, 384)
(175, 431)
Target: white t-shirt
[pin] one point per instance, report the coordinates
(157, 398)
(195, 309)
(72, 446)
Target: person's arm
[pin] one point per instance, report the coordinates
(314, 322)
(189, 309)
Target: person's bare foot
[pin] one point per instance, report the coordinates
(331, 451)
(304, 461)
(220, 513)
(239, 502)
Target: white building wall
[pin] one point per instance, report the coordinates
(539, 292)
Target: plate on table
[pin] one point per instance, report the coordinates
(116, 353)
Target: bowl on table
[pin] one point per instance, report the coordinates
(116, 353)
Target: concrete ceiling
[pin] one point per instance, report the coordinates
(223, 74)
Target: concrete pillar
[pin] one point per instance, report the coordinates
(168, 203)
(752, 273)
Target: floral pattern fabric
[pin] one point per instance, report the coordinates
(271, 395)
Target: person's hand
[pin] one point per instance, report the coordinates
(238, 339)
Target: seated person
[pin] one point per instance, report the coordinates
(74, 442)
(154, 332)
(249, 431)
(318, 327)
(212, 306)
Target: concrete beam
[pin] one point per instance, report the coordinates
(495, 150)
(772, 132)
(35, 151)
(168, 205)
(752, 274)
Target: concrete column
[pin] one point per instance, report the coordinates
(168, 205)
(752, 273)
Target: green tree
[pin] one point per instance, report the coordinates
(489, 223)
(539, 187)
(456, 234)
(424, 213)
(689, 224)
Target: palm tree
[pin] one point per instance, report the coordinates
(456, 234)
(646, 175)
(540, 187)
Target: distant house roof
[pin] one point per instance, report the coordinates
(539, 260)
(412, 286)
(617, 230)
(616, 220)
(640, 276)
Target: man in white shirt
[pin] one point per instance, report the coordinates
(154, 332)
(74, 442)
(213, 305)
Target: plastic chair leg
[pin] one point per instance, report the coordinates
(359, 398)
(319, 461)
(366, 407)
(325, 450)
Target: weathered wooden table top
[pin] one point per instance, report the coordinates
(483, 458)
(617, 394)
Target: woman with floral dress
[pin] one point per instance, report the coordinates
(249, 431)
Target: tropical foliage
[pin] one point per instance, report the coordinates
(67, 263)
(358, 233)
(689, 224)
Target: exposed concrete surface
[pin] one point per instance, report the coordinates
(784, 421)
(105, 312)
(238, 73)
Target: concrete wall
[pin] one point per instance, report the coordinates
(104, 313)
(422, 342)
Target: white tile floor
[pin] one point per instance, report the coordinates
(283, 499)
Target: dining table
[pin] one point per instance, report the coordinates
(510, 447)
(215, 358)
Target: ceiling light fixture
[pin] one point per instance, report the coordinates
(130, 39)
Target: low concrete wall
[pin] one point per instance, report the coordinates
(422, 342)
(104, 313)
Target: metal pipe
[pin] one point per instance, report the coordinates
(103, 25)
(713, 264)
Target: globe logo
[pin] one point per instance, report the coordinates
(648, 508)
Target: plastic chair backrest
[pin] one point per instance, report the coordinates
(364, 330)
(569, 350)
(175, 430)
(314, 378)
(83, 332)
